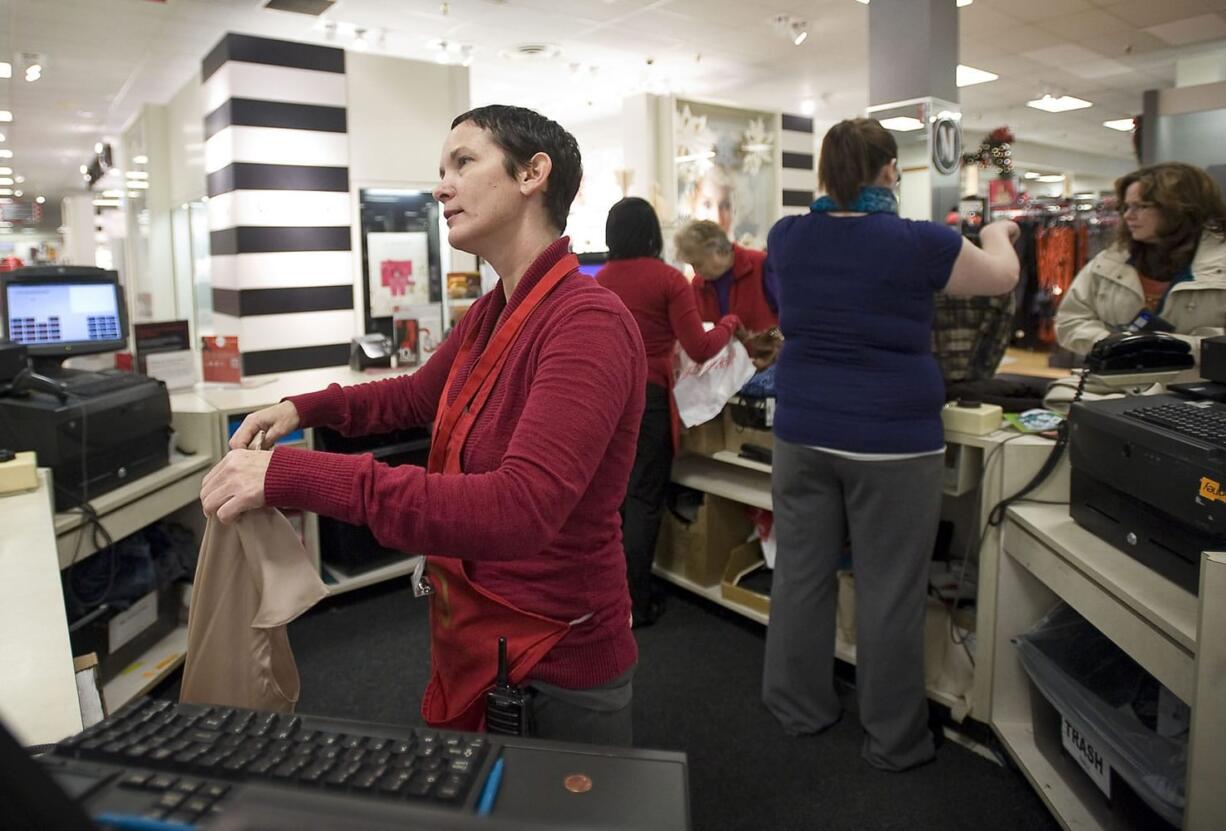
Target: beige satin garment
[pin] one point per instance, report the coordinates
(253, 578)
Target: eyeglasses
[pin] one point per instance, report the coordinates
(1136, 207)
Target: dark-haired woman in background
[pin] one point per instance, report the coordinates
(1169, 259)
(858, 438)
(662, 303)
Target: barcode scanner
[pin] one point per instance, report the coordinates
(508, 708)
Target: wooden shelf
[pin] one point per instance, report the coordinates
(348, 582)
(843, 650)
(128, 509)
(731, 458)
(731, 481)
(143, 674)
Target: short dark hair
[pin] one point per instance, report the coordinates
(853, 153)
(633, 230)
(521, 134)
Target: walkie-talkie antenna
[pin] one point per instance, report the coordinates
(502, 661)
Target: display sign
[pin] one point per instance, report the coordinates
(398, 268)
(1081, 747)
(220, 359)
(946, 144)
(20, 212)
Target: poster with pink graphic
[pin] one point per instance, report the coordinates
(399, 268)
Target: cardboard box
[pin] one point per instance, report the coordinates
(700, 549)
(745, 558)
(705, 439)
(19, 473)
(736, 435)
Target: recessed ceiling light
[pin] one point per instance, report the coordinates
(808, 106)
(1050, 103)
(1124, 125)
(18, 193)
(6, 115)
(34, 72)
(902, 124)
(40, 199)
(97, 147)
(968, 76)
(1051, 177)
(19, 179)
(84, 168)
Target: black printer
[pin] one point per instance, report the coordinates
(95, 430)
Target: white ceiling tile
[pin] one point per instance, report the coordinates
(1191, 30)
(1142, 13)
(1058, 57)
(1101, 68)
(1034, 10)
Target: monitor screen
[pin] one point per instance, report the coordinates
(65, 313)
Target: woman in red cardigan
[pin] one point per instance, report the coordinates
(662, 303)
(535, 398)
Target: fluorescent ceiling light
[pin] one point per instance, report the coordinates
(6, 154)
(6, 191)
(968, 76)
(6, 171)
(6, 69)
(1124, 125)
(6, 115)
(1051, 177)
(6, 180)
(695, 157)
(3, 137)
(902, 124)
(137, 174)
(1064, 103)
(141, 159)
(1030, 174)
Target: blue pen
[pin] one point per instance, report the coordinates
(490, 792)
(128, 822)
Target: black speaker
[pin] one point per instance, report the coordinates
(1213, 358)
(12, 360)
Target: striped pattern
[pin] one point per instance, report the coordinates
(277, 161)
(798, 179)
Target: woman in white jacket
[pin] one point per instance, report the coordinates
(1169, 260)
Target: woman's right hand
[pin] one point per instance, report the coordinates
(276, 421)
(1003, 226)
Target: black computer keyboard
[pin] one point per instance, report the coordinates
(1204, 422)
(104, 383)
(180, 762)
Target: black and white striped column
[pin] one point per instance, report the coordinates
(277, 158)
(799, 177)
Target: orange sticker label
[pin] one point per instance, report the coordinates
(1211, 490)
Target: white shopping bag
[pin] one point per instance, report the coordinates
(702, 390)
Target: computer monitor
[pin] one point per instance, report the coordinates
(590, 262)
(57, 312)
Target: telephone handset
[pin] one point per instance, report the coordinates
(1139, 352)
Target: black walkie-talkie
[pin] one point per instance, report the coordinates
(508, 708)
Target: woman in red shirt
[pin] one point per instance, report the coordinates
(662, 303)
(535, 398)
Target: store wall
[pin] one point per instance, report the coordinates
(1187, 124)
(399, 115)
(600, 145)
(185, 136)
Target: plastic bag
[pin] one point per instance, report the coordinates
(702, 390)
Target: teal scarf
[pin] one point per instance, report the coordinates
(872, 200)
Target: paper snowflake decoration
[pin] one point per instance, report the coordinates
(695, 143)
(757, 145)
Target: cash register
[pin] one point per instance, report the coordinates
(96, 430)
(1148, 472)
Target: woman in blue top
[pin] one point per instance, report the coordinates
(858, 438)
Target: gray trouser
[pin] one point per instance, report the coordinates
(598, 715)
(891, 511)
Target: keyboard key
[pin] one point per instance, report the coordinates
(161, 782)
(136, 779)
(421, 784)
(213, 790)
(170, 801)
(196, 806)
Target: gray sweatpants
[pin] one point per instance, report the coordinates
(890, 509)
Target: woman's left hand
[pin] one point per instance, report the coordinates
(235, 485)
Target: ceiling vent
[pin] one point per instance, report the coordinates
(311, 7)
(532, 52)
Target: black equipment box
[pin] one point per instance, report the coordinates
(94, 444)
(1158, 494)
